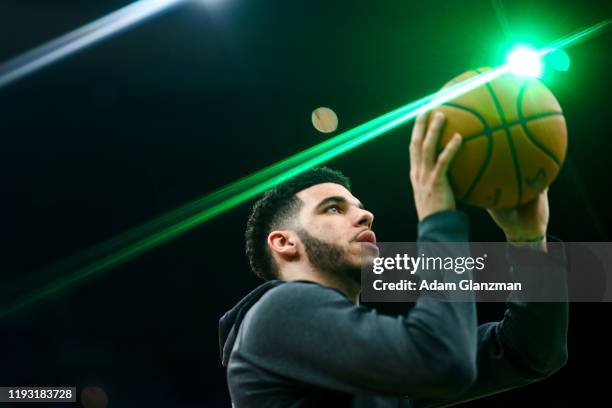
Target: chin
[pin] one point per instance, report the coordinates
(368, 253)
(364, 258)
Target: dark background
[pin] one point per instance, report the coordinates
(203, 95)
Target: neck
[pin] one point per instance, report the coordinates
(343, 283)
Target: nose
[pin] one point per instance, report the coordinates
(366, 218)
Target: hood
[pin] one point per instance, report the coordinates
(230, 322)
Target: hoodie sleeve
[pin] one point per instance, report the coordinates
(313, 334)
(530, 342)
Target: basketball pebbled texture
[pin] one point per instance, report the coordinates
(514, 140)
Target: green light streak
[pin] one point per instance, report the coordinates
(139, 240)
(576, 38)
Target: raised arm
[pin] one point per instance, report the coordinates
(530, 342)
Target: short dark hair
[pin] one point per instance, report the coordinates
(275, 209)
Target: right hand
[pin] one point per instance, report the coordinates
(428, 174)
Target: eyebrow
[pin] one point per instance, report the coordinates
(335, 199)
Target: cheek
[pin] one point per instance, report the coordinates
(336, 230)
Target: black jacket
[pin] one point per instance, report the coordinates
(302, 344)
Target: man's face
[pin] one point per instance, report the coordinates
(336, 229)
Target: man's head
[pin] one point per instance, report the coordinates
(311, 220)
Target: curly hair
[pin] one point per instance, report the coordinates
(275, 210)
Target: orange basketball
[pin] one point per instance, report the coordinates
(514, 140)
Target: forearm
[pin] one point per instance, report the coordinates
(536, 321)
(446, 234)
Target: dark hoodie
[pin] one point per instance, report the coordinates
(302, 344)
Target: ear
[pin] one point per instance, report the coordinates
(283, 243)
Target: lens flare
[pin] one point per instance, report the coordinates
(559, 60)
(525, 61)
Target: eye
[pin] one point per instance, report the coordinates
(333, 209)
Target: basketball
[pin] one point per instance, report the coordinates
(514, 140)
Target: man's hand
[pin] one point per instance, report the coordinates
(428, 174)
(526, 224)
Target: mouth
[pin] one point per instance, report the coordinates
(366, 236)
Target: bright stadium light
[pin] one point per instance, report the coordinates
(525, 61)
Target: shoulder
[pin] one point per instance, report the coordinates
(296, 294)
(285, 305)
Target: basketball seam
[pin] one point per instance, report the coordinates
(473, 136)
(523, 122)
(487, 160)
(502, 117)
(483, 166)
